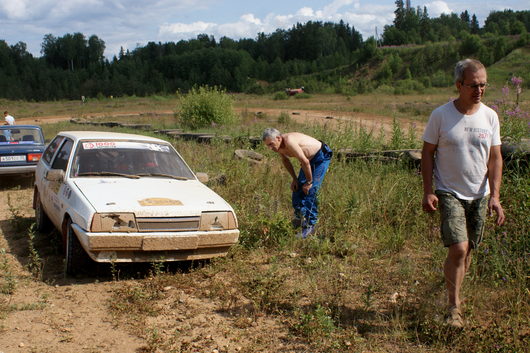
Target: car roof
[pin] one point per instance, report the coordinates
(98, 135)
(20, 127)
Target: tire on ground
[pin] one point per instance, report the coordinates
(76, 257)
(42, 221)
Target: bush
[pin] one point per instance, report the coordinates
(302, 95)
(205, 106)
(280, 96)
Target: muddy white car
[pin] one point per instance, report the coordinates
(127, 198)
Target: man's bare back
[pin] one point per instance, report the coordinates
(309, 145)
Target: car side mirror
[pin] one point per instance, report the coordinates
(55, 175)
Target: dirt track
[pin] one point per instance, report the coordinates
(331, 119)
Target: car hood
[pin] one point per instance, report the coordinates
(150, 197)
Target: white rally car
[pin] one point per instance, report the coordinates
(128, 198)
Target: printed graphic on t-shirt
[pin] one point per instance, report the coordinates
(477, 136)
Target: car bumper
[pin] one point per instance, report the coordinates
(20, 169)
(163, 246)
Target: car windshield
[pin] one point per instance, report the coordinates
(18, 135)
(128, 158)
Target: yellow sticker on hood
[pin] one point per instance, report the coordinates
(159, 201)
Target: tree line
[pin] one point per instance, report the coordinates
(319, 55)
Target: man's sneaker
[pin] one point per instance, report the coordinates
(454, 318)
(306, 231)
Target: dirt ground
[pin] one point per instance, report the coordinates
(58, 314)
(54, 314)
(331, 119)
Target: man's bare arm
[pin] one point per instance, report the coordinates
(430, 201)
(287, 164)
(494, 179)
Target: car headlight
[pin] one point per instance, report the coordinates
(218, 221)
(113, 222)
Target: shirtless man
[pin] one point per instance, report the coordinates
(314, 157)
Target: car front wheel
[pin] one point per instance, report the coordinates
(76, 257)
(42, 221)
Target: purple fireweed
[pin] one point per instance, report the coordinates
(516, 81)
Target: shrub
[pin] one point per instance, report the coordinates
(280, 96)
(205, 106)
(302, 95)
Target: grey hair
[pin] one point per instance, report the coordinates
(270, 132)
(463, 65)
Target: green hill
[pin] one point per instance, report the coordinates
(516, 63)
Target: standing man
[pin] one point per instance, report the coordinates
(464, 135)
(9, 119)
(314, 157)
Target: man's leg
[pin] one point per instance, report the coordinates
(455, 238)
(297, 198)
(455, 267)
(319, 167)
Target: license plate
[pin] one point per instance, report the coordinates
(13, 159)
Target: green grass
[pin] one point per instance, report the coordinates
(333, 292)
(370, 281)
(517, 63)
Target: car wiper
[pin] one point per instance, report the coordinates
(130, 176)
(163, 175)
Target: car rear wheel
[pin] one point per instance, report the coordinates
(42, 221)
(76, 257)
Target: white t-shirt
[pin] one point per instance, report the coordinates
(463, 149)
(10, 120)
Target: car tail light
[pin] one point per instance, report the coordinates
(34, 157)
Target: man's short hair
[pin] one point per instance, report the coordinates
(270, 132)
(467, 64)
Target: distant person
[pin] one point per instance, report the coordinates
(9, 120)
(314, 157)
(462, 146)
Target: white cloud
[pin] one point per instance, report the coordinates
(184, 28)
(436, 8)
(249, 25)
(251, 19)
(333, 8)
(13, 9)
(305, 12)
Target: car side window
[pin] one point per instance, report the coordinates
(61, 160)
(52, 147)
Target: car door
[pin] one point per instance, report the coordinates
(42, 170)
(54, 189)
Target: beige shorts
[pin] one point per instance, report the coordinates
(461, 220)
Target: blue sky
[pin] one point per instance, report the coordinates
(130, 23)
